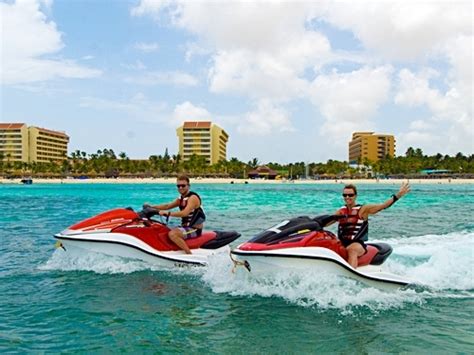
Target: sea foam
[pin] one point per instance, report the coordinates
(440, 264)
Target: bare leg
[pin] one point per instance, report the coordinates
(177, 237)
(354, 251)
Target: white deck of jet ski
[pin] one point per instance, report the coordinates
(126, 246)
(317, 259)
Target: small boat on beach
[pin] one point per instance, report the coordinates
(135, 235)
(302, 245)
(26, 181)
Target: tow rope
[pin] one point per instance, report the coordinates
(58, 244)
(244, 263)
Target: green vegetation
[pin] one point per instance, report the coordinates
(105, 163)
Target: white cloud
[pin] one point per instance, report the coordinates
(419, 139)
(259, 49)
(237, 24)
(147, 47)
(269, 50)
(420, 134)
(277, 74)
(402, 29)
(138, 65)
(175, 78)
(193, 49)
(266, 119)
(415, 89)
(186, 111)
(27, 38)
(460, 55)
(349, 101)
(150, 6)
(420, 125)
(138, 107)
(453, 108)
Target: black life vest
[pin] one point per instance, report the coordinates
(353, 227)
(197, 216)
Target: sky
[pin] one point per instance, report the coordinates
(289, 81)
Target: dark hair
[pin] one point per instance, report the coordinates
(183, 178)
(350, 186)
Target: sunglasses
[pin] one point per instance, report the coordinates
(348, 195)
(180, 186)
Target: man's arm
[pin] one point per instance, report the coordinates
(167, 206)
(337, 213)
(367, 210)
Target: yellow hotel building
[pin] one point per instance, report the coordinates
(203, 139)
(18, 142)
(367, 145)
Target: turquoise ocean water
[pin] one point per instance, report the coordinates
(51, 302)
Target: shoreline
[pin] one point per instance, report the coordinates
(238, 181)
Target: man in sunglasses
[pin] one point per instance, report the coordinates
(353, 228)
(191, 213)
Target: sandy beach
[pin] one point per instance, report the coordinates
(238, 181)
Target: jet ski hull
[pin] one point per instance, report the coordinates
(316, 260)
(125, 233)
(122, 245)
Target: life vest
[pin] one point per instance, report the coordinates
(197, 215)
(353, 227)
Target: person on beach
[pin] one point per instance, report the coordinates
(353, 229)
(191, 213)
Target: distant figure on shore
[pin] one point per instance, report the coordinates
(191, 213)
(353, 229)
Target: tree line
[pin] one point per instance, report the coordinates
(105, 163)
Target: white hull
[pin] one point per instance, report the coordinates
(315, 259)
(126, 246)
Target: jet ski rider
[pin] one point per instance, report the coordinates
(354, 227)
(191, 213)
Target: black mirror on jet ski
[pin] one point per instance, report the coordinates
(148, 211)
(325, 219)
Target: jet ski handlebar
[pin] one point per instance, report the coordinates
(149, 211)
(326, 219)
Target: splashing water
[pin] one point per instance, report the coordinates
(439, 263)
(57, 302)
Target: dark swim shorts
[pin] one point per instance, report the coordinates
(189, 232)
(347, 242)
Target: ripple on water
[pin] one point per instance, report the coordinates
(99, 303)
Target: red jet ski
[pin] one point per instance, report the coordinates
(302, 243)
(126, 233)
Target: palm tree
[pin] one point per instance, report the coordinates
(253, 163)
(410, 152)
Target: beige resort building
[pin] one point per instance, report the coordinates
(367, 145)
(18, 142)
(203, 139)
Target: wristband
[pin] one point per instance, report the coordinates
(395, 198)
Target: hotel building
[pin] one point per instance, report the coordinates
(367, 145)
(18, 142)
(203, 139)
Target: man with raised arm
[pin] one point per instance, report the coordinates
(354, 227)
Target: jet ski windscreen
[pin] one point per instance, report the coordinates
(286, 229)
